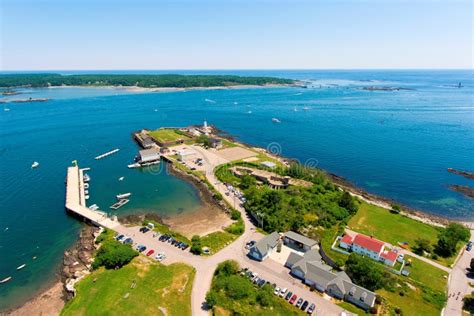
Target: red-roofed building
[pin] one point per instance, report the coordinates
(369, 247)
(389, 257)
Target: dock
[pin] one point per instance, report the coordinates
(107, 154)
(76, 200)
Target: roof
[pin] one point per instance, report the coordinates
(311, 256)
(301, 239)
(368, 243)
(267, 242)
(346, 239)
(389, 255)
(293, 258)
(269, 164)
(319, 274)
(356, 292)
(149, 153)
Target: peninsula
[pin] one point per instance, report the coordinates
(286, 219)
(136, 80)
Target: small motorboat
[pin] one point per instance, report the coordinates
(35, 164)
(87, 197)
(86, 185)
(94, 207)
(21, 267)
(249, 112)
(134, 165)
(6, 280)
(6, 109)
(295, 110)
(275, 120)
(86, 178)
(34, 258)
(121, 178)
(123, 196)
(306, 108)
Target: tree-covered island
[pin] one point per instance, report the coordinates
(136, 80)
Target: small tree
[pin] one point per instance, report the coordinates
(468, 303)
(211, 298)
(396, 208)
(422, 245)
(196, 247)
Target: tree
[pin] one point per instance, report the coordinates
(366, 273)
(211, 298)
(446, 246)
(204, 140)
(196, 247)
(347, 201)
(396, 208)
(264, 298)
(422, 245)
(458, 232)
(468, 303)
(113, 254)
(237, 287)
(247, 182)
(227, 268)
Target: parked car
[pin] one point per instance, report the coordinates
(144, 229)
(300, 301)
(261, 283)
(288, 295)
(150, 252)
(128, 241)
(311, 309)
(283, 292)
(277, 291)
(305, 304)
(293, 299)
(119, 237)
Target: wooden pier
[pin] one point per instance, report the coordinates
(76, 201)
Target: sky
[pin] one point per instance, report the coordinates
(235, 34)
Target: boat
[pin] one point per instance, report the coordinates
(134, 165)
(249, 112)
(6, 280)
(6, 109)
(209, 100)
(87, 197)
(121, 178)
(123, 195)
(94, 207)
(275, 120)
(295, 109)
(86, 185)
(86, 178)
(35, 164)
(119, 204)
(21, 267)
(306, 108)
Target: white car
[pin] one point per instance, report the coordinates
(400, 258)
(277, 291)
(160, 256)
(283, 292)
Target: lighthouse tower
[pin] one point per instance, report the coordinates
(205, 127)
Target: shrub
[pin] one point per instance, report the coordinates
(235, 215)
(227, 268)
(196, 247)
(211, 298)
(113, 254)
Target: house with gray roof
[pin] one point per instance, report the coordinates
(299, 242)
(315, 273)
(264, 247)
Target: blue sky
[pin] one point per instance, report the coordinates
(192, 34)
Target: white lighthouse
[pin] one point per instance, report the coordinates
(205, 128)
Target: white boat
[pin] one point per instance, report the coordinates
(86, 178)
(235, 103)
(275, 120)
(123, 195)
(121, 178)
(86, 191)
(94, 207)
(209, 100)
(87, 197)
(21, 267)
(6, 109)
(134, 165)
(107, 154)
(295, 109)
(306, 108)
(35, 164)
(86, 185)
(6, 280)
(249, 112)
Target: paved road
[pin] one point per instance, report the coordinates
(458, 285)
(205, 266)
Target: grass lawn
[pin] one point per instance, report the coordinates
(159, 290)
(168, 135)
(352, 308)
(427, 274)
(217, 240)
(328, 237)
(375, 221)
(411, 303)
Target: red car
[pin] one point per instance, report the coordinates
(293, 298)
(149, 253)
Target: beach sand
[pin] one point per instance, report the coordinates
(205, 220)
(48, 303)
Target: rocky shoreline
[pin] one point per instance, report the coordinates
(76, 264)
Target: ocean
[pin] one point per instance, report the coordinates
(396, 144)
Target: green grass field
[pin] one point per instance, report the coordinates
(159, 290)
(375, 221)
(427, 274)
(167, 135)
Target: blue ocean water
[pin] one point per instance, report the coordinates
(396, 144)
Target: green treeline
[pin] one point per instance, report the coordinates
(145, 81)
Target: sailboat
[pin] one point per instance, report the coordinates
(275, 120)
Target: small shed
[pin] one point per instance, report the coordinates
(149, 155)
